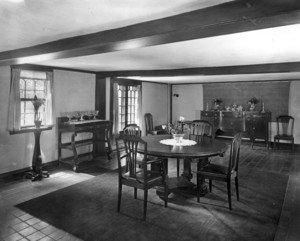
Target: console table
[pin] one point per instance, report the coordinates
(36, 173)
(254, 124)
(100, 130)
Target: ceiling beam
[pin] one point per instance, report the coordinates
(225, 70)
(227, 18)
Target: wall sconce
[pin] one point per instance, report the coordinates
(176, 95)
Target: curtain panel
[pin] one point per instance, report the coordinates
(115, 109)
(14, 109)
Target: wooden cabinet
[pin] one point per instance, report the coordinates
(254, 124)
(100, 135)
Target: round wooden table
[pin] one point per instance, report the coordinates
(200, 152)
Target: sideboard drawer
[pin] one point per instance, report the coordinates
(210, 114)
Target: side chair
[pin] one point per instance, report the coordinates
(222, 172)
(137, 177)
(285, 129)
(200, 131)
(150, 129)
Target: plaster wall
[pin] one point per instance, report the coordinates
(294, 108)
(156, 100)
(70, 95)
(189, 103)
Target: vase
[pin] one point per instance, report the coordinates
(38, 123)
(178, 137)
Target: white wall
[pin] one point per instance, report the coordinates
(70, 94)
(294, 108)
(189, 103)
(74, 91)
(156, 100)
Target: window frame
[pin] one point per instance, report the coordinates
(14, 106)
(28, 100)
(127, 83)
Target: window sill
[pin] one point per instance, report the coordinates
(31, 129)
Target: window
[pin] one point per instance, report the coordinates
(25, 86)
(29, 88)
(127, 104)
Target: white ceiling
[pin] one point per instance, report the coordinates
(30, 22)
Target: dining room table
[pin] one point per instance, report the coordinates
(166, 147)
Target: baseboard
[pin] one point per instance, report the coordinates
(23, 170)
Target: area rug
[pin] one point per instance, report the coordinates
(88, 210)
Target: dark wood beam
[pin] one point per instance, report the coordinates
(227, 18)
(225, 70)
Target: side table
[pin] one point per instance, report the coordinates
(36, 173)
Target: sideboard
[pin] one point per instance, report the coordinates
(253, 124)
(100, 130)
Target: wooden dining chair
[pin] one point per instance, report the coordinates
(285, 129)
(132, 129)
(222, 172)
(150, 129)
(142, 178)
(200, 131)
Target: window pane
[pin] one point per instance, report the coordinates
(29, 119)
(40, 94)
(29, 87)
(40, 85)
(22, 93)
(29, 84)
(29, 94)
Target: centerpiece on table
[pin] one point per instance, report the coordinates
(37, 103)
(252, 102)
(176, 131)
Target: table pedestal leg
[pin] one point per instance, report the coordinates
(37, 173)
(183, 183)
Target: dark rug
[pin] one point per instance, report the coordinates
(88, 211)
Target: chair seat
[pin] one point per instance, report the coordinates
(151, 176)
(284, 137)
(214, 170)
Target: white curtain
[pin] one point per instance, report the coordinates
(14, 109)
(115, 109)
(50, 116)
(139, 109)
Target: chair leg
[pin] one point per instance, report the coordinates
(119, 197)
(293, 146)
(210, 185)
(145, 203)
(135, 193)
(178, 166)
(237, 188)
(229, 193)
(166, 194)
(198, 188)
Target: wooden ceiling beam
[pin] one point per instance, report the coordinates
(227, 18)
(225, 70)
